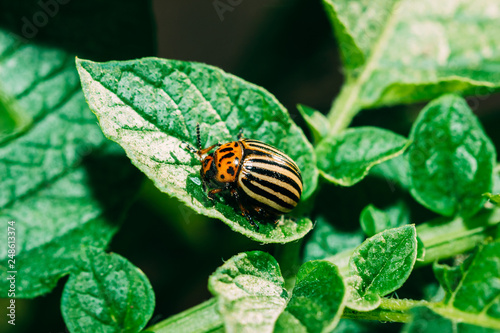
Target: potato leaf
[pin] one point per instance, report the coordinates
(315, 120)
(493, 197)
(345, 159)
(326, 241)
(318, 298)
(250, 291)
(472, 291)
(381, 265)
(63, 184)
(451, 158)
(150, 106)
(107, 293)
(399, 51)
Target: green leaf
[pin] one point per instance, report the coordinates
(427, 321)
(420, 249)
(394, 171)
(397, 52)
(327, 241)
(150, 106)
(315, 120)
(374, 220)
(381, 265)
(13, 120)
(493, 197)
(106, 294)
(288, 323)
(250, 291)
(318, 297)
(472, 289)
(59, 195)
(345, 159)
(451, 158)
(200, 318)
(496, 176)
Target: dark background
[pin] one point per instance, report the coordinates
(287, 47)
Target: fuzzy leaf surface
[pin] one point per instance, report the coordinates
(345, 159)
(63, 184)
(318, 297)
(381, 265)
(472, 289)
(399, 51)
(451, 158)
(250, 291)
(107, 294)
(151, 106)
(326, 241)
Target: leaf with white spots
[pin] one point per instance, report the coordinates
(151, 106)
(402, 51)
(451, 159)
(107, 294)
(250, 291)
(381, 265)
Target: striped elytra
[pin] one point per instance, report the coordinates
(269, 177)
(264, 181)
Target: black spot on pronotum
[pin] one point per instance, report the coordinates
(223, 150)
(228, 155)
(236, 145)
(229, 162)
(219, 165)
(230, 171)
(222, 177)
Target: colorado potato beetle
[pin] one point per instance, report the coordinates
(264, 181)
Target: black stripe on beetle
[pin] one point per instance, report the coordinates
(270, 200)
(223, 150)
(228, 155)
(276, 175)
(263, 180)
(281, 165)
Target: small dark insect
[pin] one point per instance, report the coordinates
(263, 180)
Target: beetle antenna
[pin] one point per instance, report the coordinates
(240, 134)
(198, 135)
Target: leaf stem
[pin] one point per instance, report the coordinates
(201, 318)
(443, 237)
(345, 107)
(390, 309)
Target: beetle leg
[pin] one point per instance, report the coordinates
(214, 191)
(244, 211)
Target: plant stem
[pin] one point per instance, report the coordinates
(443, 237)
(348, 103)
(390, 309)
(201, 318)
(345, 107)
